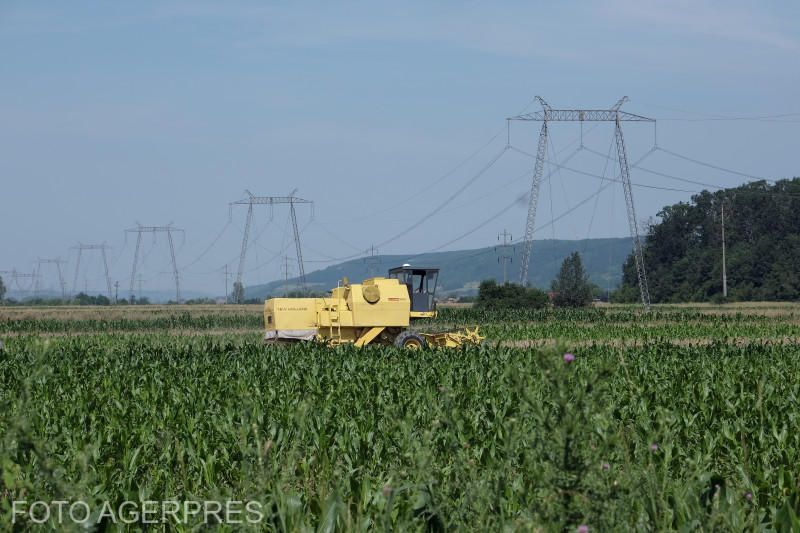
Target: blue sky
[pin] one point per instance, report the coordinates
(160, 112)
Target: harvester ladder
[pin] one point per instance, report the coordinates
(339, 313)
(335, 315)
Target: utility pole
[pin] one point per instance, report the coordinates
(140, 287)
(615, 115)
(102, 247)
(169, 229)
(724, 275)
(271, 201)
(116, 292)
(226, 282)
(506, 257)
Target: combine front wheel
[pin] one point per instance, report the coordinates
(410, 339)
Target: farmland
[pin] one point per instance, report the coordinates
(681, 419)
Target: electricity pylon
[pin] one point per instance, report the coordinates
(16, 275)
(38, 275)
(81, 247)
(548, 114)
(168, 229)
(252, 200)
(372, 260)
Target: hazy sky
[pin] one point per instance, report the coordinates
(158, 112)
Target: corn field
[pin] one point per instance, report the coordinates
(657, 435)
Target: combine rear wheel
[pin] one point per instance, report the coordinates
(410, 339)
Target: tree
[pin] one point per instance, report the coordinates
(238, 292)
(2, 289)
(683, 250)
(571, 286)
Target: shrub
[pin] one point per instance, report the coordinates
(509, 296)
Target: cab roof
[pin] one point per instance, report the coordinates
(396, 270)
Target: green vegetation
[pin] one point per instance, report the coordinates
(185, 321)
(79, 299)
(571, 287)
(692, 427)
(509, 296)
(84, 299)
(683, 252)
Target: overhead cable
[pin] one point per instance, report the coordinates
(716, 167)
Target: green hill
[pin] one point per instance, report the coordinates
(462, 270)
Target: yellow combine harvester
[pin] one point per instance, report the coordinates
(377, 311)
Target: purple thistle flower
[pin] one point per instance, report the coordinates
(749, 496)
(606, 466)
(583, 528)
(443, 389)
(716, 486)
(653, 447)
(386, 491)
(568, 357)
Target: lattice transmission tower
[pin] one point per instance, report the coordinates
(271, 201)
(169, 229)
(102, 247)
(615, 115)
(16, 276)
(372, 261)
(38, 275)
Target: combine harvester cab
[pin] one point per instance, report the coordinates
(377, 311)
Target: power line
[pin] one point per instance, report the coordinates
(210, 246)
(655, 172)
(444, 176)
(438, 211)
(400, 203)
(638, 166)
(278, 254)
(597, 176)
(716, 167)
(716, 117)
(452, 197)
(509, 206)
(597, 198)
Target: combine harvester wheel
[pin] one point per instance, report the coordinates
(410, 339)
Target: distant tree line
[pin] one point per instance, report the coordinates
(79, 299)
(683, 252)
(570, 288)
